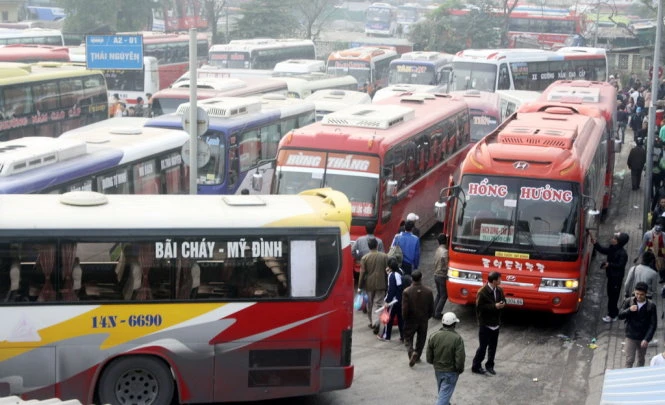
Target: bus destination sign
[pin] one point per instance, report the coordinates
(114, 52)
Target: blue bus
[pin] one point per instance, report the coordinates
(381, 20)
(428, 68)
(242, 139)
(114, 156)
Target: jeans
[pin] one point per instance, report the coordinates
(446, 382)
(632, 346)
(441, 295)
(489, 340)
(614, 284)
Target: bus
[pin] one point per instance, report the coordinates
(241, 140)
(385, 157)
(381, 19)
(49, 99)
(45, 13)
(114, 156)
(483, 109)
(400, 89)
(525, 69)
(331, 100)
(297, 67)
(369, 65)
(511, 100)
(260, 53)
(172, 53)
(524, 204)
(408, 14)
(169, 291)
(216, 72)
(31, 36)
(419, 67)
(167, 101)
(303, 86)
(34, 53)
(130, 84)
(601, 97)
(545, 28)
(179, 15)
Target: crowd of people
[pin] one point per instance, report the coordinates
(119, 108)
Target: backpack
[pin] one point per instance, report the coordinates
(396, 251)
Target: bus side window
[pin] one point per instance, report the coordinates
(504, 78)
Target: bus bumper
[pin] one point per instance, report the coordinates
(336, 378)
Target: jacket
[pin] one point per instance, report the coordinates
(641, 324)
(647, 243)
(395, 287)
(445, 351)
(441, 262)
(360, 248)
(373, 271)
(417, 303)
(616, 256)
(410, 245)
(486, 311)
(637, 158)
(641, 272)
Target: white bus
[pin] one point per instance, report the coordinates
(381, 19)
(511, 100)
(398, 89)
(295, 67)
(130, 84)
(260, 53)
(525, 69)
(31, 36)
(328, 100)
(304, 85)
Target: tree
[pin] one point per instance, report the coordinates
(214, 10)
(507, 6)
(85, 16)
(312, 14)
(266, 19)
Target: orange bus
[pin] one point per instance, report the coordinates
(525, 201)
(602, 97)
(385, 157)
(369, 65)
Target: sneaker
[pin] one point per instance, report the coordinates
(381, 338)
(608, 319)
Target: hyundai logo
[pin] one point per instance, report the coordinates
(511, 278)
(521, 165)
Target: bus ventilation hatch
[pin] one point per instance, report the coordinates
(574, 94)
(370, 116)
(537, 137)
(32, 152)
(225, 107)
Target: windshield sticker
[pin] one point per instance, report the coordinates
(496, 233)
(362, 209)
(512, 255)
(546, 193)
(485, 189)
(512, 264)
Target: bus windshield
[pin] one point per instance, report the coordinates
(412, 74)
(358, 69)
(469, 75)
(126, 80)
(534, 216)
(355, 175)
(481, 125)
(230, 60)
(379, 14)
(212, 158)
(407, 14)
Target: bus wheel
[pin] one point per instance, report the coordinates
(136, 380)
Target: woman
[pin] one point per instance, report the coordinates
(394, 294)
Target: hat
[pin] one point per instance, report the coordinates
(412, 217)
(449, 318)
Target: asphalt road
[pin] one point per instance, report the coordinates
(542, 358)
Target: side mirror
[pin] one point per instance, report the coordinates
(592, 219)
(257, 181)
(391, 188)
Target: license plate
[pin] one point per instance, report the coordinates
(514, 301)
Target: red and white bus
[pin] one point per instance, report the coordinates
(369, 65)
(525, 69)
(34, 53)
(385, 157)
(524, 204)
(179, 15)
(484, 111)
(544, 27)
(588, 98)
(172, 53)
(200, 298)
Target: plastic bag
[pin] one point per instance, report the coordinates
(385, 315)
(360, 301)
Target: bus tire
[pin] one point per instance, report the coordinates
(136, 380)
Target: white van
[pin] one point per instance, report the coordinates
(331, 100)
(511, 100)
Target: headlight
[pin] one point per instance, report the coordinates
(465, 275)
(570, 284)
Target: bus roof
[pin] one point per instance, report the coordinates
(577, 93)
(222, 87)
(484, 101)
(145, 213)
(28, 32)
(213, 71)
(329, 100)
(525, 54)
(364, 53)
(557, 139)
(11, 73)
(299, 66)
(260, 43)
(30, 53)
(397, 89)
(423, 56)
(378, 125)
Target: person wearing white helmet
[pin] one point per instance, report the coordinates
(445, 351)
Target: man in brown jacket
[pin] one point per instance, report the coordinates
(417, 308)
(372, 279)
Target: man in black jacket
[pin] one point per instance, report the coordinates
(615, 267)
(641, 322)
(490, 302)
(637, 158)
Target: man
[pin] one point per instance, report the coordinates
(654, 240)
(622, 121)
(490, 302)
(440, 275)
(360, 248)
(641, 322)
(410, 245)
(372, 279)
(139, 108)
(413, 217)
(659, 210)
(637, 158)
(615, 267)
(417, 308)
(445, 351)
(644, 272)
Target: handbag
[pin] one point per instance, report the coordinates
(360, 301)
(396, 251)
